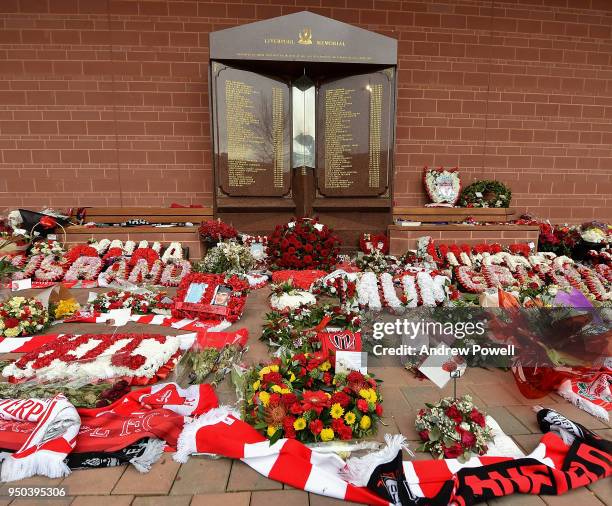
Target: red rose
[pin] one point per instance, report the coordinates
(468, 440)
(308, 248)
(477, 417)
(453, 451)
(424, 435)
(48, 222)
(362, 405)
(316, 426)
(11, 322)
(453, 413)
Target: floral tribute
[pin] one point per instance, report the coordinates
(486, 193)
(286, 298)
(368, 243)
(139, 303)
(211, 296)
(115, 260)
(21, 316)
(299, 330)
(303, 243)
(443, 186)
(300, 397)
(139, 358)
(214, 231)
(453, 428)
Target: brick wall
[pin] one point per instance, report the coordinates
(105, 102)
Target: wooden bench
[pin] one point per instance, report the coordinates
(452, 214)
(187, 235)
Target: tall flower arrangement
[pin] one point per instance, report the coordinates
(303, 243)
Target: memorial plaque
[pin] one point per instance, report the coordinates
(252, 133)
(354, 128)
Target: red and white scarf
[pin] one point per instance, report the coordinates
(54, 423)
(287, 461)
(381, 478)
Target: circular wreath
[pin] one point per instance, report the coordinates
(303, 243)
(486, 193)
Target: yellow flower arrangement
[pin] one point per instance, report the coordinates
(66, 307)
(365, 422)
(349, 418)
(299, 424)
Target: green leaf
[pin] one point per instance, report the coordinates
(434, 434)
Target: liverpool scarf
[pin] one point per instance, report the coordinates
(382, 478)
(557, 465)
(53, 426)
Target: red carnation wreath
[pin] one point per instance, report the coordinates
(303, 243)
(210, 296)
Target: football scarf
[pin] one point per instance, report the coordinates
(288, 461)
(382, 478)
(592, 394)
(141, 454)
(53, 423)
(556, 466)
(156, 413)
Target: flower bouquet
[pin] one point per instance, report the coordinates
(297, 330)
(21, 316)
(214, 231)
(284, 297)
(303, 244)
(453, 428)
(139, 303)
(300, 397)
(228, 257)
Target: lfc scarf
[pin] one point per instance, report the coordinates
(287, 461)
(156, 413)
(382, 478)
(574, 458)
(53, 423)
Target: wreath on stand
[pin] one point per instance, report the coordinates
(486, 193)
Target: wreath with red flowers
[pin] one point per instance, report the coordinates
(368, 243)
(301, 397)
(206, 307)
(303, 243)
(213, 231)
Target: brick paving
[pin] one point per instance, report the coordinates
(222, 482)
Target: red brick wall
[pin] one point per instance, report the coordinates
(104, 102)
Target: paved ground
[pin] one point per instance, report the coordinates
(205, 482)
